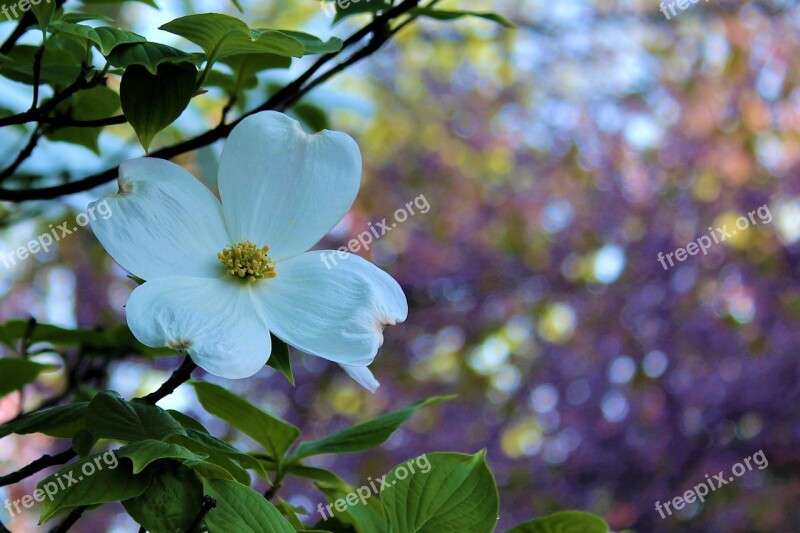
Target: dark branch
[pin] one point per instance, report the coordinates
(69, 521)
(279, 101)
(46, 461)
(209, 503)
(23, 155)
(178, 377)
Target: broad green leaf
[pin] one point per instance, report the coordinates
(222, 35)
(439, 14)
(246, 66)
(221, 454)
(104, 37)
(83, 442)
(456, 493)
(77, 17)
(17, 372)
(171, 502)
(64, 422)
(241, 509)
(145, 452)
(187, 421)
(60, 65)
(273, 434)
(111, 417)
(323, 477)
(315, 45)
(44, 11)
(364, 516)
(93, 480)
(364, 436)
(563, 522)
(279, 359)
(312, 116)
(149, 55)
(92, 104)
(153, 102)
(347, 8)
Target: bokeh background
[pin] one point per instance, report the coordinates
(558, 159)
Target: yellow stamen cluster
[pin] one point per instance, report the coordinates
(246, 261)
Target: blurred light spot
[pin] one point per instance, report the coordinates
(614, 406)
(609, 262)
(750, 425)
(557, 324)
(489, 356)
(557, 215)
(544, 398)
(655, 364)
(787, 215)
(622, 369)
(642, 132)
(507, 379)
(524, 439)
(578, 392)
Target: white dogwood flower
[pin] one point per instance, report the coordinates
(220, 276)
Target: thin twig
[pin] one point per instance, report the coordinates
(69, 521)
(209, 503)
(45, 461)
(178, 377)
(37, 74)
(24, 154)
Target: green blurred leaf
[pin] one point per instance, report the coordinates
(171, 502)
(246, 66)
(312, 116)
(279, 359)
(92, 2)
(457, 493)
(83, 442)
(149, 55)
(60, 64)
(221, 36)
(439, 14)
(273, 434)
(12, 332)
(44, 11)
(153, 102)
(106, 484)
(241, 509)
(111, 417)
(104, 37)
(364, 436)
(92, 104)
(563, 522)
(18, 372)
(315, 45)
(64, 422)
(221, 454)
(145, 452)
(77, 17)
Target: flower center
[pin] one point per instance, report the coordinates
(246, 261)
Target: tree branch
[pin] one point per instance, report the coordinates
(209, 503)
(23, 155)
(178, 377)
(280, 101)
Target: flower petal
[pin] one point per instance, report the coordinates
(284, 188)
(363, 377)
(214, 320)
(163, 222)
(338, 313)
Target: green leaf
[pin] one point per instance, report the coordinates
(347, 8)
(246, 66)
(18, 372)
(99, 478)
(315, 45)
(153, 102)
(149, 55)
(12, 332)
(83, 442)
(563, 522)
(111, 417)
(364, 436)
(60, 64)
(145, 452)
(222, 35)
(366, 516)
(457, 493)
(241, 509)
(106, 38)
(279, 359)
(43, 11)
(221, 454)
(92, 104)
(312, 116)
(439, 14)
(64, 422)
(273, 434)
(77, 17)
(290, 513)
(171, 502)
